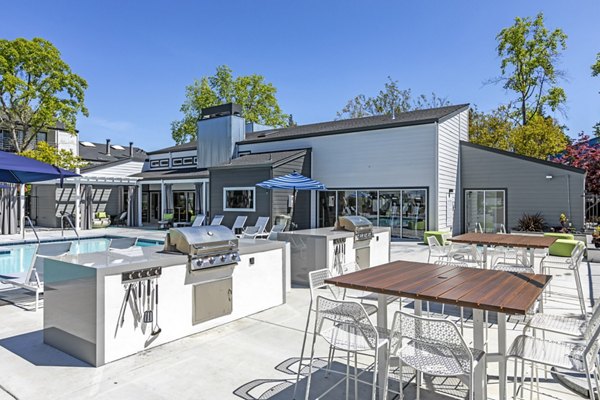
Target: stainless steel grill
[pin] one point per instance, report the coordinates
(206, 246)
(362, 227)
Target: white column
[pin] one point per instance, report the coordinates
(162, 200)
(77, 210)
(22, 208)
(139, 199)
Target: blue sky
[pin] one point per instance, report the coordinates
(138, 56)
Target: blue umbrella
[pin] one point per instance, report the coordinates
(18, 169)
(295, 182)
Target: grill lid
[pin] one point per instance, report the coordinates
(194, 240)
(354, 223)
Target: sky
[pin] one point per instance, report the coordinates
(138, 56)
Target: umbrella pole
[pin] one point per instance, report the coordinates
(22, 208)
(295, 193)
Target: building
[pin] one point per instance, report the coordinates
(56, 136)
(414, 171)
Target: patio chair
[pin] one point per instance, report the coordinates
(166, 221)
(195, 221)
(316, 284)
(217, 219)
(121, 219)
(572, 264)
(436, 249)
(122, 243)
(444, 263)
(500, 262)
(261, 225)
(465, 253)
(101, 220)
(250, 232)
(562, 356)
(432, 346)
(33, 279)
(275, 230)
(345, 326)
(238, 224)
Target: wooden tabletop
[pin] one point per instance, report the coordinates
(507, 292)
(498, 239)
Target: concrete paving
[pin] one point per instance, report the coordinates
(254, 357)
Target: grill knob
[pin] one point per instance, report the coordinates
(223, 257)
(211, 260)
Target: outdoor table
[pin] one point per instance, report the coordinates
(480, 289)
(502, 239)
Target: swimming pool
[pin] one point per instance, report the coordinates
(17, 258)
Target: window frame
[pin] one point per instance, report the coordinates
(239, 188)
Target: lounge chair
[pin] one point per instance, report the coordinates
(238, 225)
(250, 232)
(166, 221)
(217, 219)
(122, 243)
(275, 230)
(33, 279)
(196, 220)
(261, 225)
(101, 220)
(121, 219)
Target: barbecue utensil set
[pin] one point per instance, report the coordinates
(142, 296)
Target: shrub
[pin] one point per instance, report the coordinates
(531, 223)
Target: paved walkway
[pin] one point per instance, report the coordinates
(257, 352)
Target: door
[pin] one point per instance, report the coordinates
(485, 208)
(154, 207)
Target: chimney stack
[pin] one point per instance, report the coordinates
(130, 149)
(108, 147)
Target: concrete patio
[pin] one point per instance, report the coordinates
(259, 352)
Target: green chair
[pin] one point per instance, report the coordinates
(101, 220)
(439, 235)
(564, 245)
(560, 235)
(166, 221)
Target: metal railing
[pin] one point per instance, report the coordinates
(62, 225)
(592, 211)
(27, 219)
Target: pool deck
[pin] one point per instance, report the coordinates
(215, 364)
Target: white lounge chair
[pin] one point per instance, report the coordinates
(197, 220)
(275, 230)
(217, 219)
(260, 225)
(33, 278)
(122, 243)
(238, 224)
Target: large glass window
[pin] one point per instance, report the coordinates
(414, 204)
(347, 202)
(239, 199)
(389, 211)
(327, 201)
(184, 203)
(368, 205)
(485, 208)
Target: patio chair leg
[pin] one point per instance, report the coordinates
(531, 384)
(419, 377)
(37, 300)
(375, 367)
(462, 318)
(312, 355)
(356, 375)
(580, 292)
(303, 348)
(588, 373)
(401, 388)
(514, 380)
(522, 378)
(348, 374)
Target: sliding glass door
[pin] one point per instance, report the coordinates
(485, 209)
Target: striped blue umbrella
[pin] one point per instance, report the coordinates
(295, 182)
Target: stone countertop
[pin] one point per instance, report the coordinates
(328, 232)
(118, 261)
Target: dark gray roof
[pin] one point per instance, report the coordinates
(180, 173)
(416, 117)
(179, 147)
(522, 157)
(263, 159)
(97, 154)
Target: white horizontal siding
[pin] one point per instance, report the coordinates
(118, 171)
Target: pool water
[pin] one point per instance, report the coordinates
(18, 258)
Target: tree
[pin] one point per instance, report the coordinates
(51, 155)
(492, 129)
(580, 154)
(596, 72)
(251, 92)
(391, 100)
(529, 53)
(37, 90)
(541, 137)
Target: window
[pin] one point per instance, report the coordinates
(485, 208)
(188, 161)
(42, 137)
(177, 162)
(239, 199)
(164, 163)
(154, 164)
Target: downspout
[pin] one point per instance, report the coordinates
(436, 214)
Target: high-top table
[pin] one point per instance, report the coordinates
(479, 289)
(500, 239)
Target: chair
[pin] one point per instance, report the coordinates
(261, 224)
(275, 230)
(500, 262)
(166, 221)
(445, 263)
(238, 224)
(217, 219)
(33, 279)
(101, 220)
(316, 283)
(432, 346)
(250, 232)
(195, 221)
(436, 249)
(345, 326)
(563, 356)
(571, 263)
(122, 243)
(121, 219)
(572, 327)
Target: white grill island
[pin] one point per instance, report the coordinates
(313, 249)
(89, 314)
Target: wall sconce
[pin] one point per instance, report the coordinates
(549, 177)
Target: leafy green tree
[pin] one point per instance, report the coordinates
(596, 72)
(390, 100)
(51, 155)
(37, 90)
(540, 138)
(491, 129)
(251, 92)
(529, 53)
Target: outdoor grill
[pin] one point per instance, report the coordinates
(206, 246)
(362, 228)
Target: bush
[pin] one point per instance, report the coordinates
(532, 223)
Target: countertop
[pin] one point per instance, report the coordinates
(117, 261)
(329, 232)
